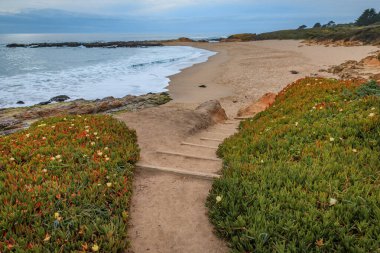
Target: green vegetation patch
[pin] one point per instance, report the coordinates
(367, 34)
(65, 185)
(304, 175)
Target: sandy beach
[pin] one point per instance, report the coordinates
(168, 212)
(244, 71)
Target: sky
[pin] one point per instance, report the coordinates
(173, 16)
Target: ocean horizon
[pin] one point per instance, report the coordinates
(34, 75)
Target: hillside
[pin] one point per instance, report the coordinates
(364, 34)
(303, 176)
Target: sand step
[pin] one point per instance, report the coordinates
(193, 174)
(211, 139)
(164, 152)
(198, 145)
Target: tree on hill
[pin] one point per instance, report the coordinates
(302, 27)
(329, 24)
(369, 16)
(317, 25)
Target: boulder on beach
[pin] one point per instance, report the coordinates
(20, 102)
(214, 110)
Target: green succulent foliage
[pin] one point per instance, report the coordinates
(304, 175)
(65, 185)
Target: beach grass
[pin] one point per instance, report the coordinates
(65, 185)
(304, 175)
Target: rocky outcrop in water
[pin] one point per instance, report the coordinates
(115, 44)
(14, 119)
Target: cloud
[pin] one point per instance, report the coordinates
(101, 6)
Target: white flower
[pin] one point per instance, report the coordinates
(87, 127)
(296, 123)
(44, 138)
(95, 133)
(109, 185)
(100, 153)
(341, 110)
(12, 159)
(333, 202)
(27, 135)
(44, 170)
(262, 161)
(332, 139)
(354, 150)
(106, 148)
(87, 130)
(97, 137)
(53, 127)
(218, 199)
(107, 158)
(371, 114)
(373, 108)
(42, 125)
(58, 156)
(64, 119)
(92, 143)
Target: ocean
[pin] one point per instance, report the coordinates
(34, 75)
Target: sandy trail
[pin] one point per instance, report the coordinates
(168, 211)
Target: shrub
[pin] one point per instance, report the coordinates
(65, 185)
(303, 176)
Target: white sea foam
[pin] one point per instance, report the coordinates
(37, 75)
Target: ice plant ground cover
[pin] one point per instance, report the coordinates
(304, 175)
(65, 185)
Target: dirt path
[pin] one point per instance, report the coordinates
(170, 189)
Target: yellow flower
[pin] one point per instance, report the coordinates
(47, 237)
(296, 123)
(44, 170)
(354, 150)
(333, 202)
(106, 148)
(109, 185)
(107, 158)
(27, 135)
(371, 115)
(56, 215)
(58, 156)
(12, 159)
(87, 127)
(52, 126)
(95, 247)
(218, 199)
(100, 153)
(332, 139)
(72, 125)
(373, 108)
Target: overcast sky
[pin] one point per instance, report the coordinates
(173, 16)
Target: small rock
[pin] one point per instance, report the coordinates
(60, 98)
(202, 86)
(20, 102)
(44, 103)
(294, 72)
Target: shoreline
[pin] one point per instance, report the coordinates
(242, 72)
